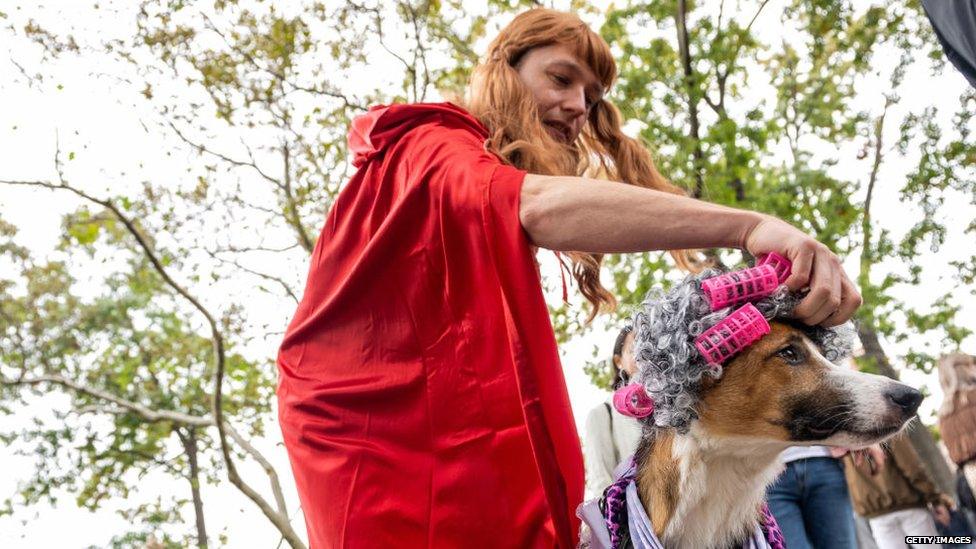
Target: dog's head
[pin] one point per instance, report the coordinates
(791, 386)
(782, 388)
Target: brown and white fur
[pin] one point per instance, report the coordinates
(704, 488)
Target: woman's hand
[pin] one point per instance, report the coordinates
(833, 298)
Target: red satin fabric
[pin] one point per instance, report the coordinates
(421, 396)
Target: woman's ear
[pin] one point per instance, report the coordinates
(616, 361)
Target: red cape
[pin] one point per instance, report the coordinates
(421, 397)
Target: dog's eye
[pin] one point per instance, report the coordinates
(790, 354)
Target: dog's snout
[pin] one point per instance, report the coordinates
(905, 398)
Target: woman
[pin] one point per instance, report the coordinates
(611, 437)
(898, 499)
(421, 397)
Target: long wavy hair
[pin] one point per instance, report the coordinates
(497, 97)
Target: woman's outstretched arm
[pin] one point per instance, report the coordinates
(591, 215)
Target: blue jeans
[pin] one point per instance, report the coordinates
(812, 506)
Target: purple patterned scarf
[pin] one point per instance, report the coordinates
(615, 513)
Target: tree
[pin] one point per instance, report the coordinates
(145, 321)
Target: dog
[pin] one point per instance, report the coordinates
(704, 488)
(711, 446)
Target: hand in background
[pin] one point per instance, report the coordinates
(941, 514)
(873, 456)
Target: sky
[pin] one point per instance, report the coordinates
(88, 112)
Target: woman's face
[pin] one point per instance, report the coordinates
(626, 360)
(564, 88)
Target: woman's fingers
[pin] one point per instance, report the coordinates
(801, 269)
(832, 298)
(850, 300)
(825, 290)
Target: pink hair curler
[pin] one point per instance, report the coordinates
(631, 400)
(780, 264)
(740, 286)
(736, 332)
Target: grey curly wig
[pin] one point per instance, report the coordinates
(671, 368)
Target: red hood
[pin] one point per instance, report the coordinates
(382, 125)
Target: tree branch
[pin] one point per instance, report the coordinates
(123, 405)
(268, 468)
(291, 208)
(689, 80)
(209, 24)
(284, 285)
(738, 46)
(224, 157)
(217, 341)
(866, 251)
(189, 442)
(378, 19)
(420, 51)
(246, 249)
(723, 76)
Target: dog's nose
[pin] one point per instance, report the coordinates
(905, 398)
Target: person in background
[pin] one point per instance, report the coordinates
(610, 437)
(957, 415)
(810, 502)
(957, 424)
(898, 499)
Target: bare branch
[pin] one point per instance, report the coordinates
(32, 81)
(718, 25)
(245, 249)
(284, 285)
(378, 19)
(420, 51)
(713, 105)
(268, 468)
(735, 53)
(723, 76)
(123, 405)
(237, 199)
(866, 250)
(349, 103)
(224, 157)
(291, 207)
(689, 81)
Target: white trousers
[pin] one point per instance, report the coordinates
(890, 529)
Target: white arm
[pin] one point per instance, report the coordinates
(598, 450)
(592, 215)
